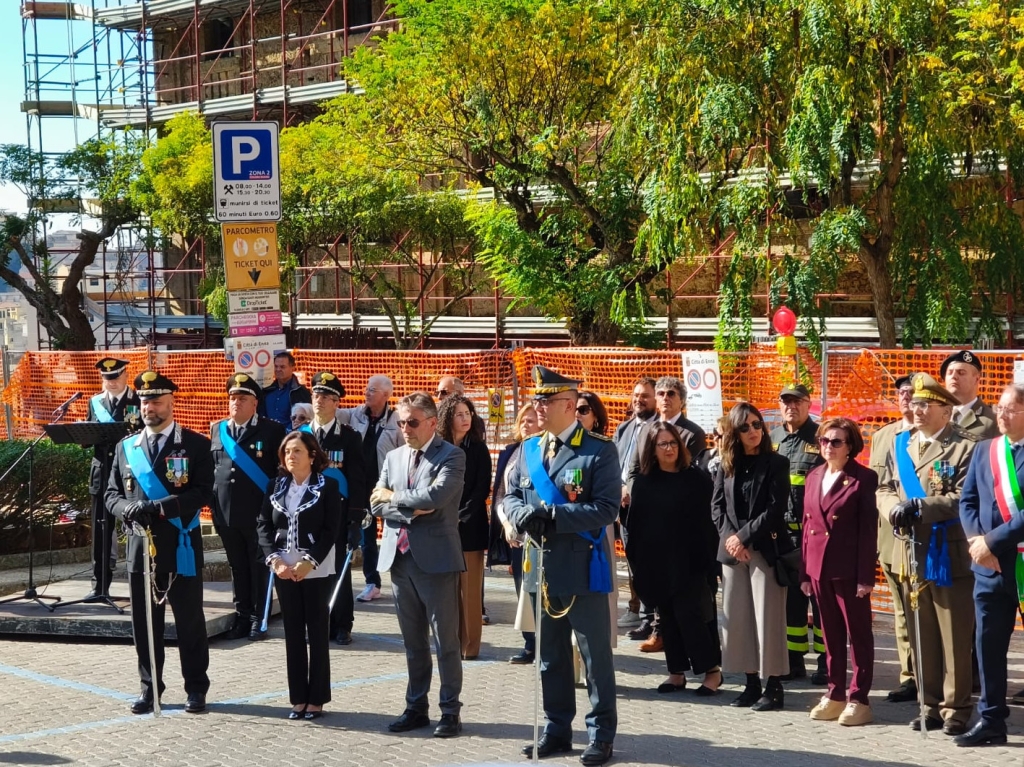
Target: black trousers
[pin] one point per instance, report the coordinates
(685, 629)
(249, 572)
(186, 598)
(796, 625)
(104, 544)
(304, 611)
(343, 614)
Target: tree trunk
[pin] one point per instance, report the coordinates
(590, 330)
(876, 265)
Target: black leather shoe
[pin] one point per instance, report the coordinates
(797, 668)
(343, 638)
(748, 697)
(195, 704)
(982, 734)
(641, 632)
(667, 687)
(409, 720)
(598, 752)
(143, 704)
(240, 629)
(92, 596)
(905, 693)
(548, 745)
(309, 716)
(954, 727)
(293, 715)
(522, 659)
(930, 723)
(819, 678)
(255, 634)
(772, 700)
(449, 726)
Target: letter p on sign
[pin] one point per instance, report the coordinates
(243, 149)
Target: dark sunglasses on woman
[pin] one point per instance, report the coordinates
(583, 410)
(743, 428)
(835, 444)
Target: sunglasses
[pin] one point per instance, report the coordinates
(442, 393)
(667, 393)
(835, 444)
(743, 428)
(583, 410)
(300, 418)
(412, 423)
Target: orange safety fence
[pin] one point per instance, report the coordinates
(853, 382)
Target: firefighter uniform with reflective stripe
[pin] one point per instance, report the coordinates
(801, 448)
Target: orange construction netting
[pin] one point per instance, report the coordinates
(858, 383)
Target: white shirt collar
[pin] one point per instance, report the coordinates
(327, 427)
(167, 431)
(566, 433)
(962, 409)
(426, 447)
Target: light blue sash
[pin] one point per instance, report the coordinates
(151, 485)
(242, 459)
(102, 414)
(938, 564)
(600, 573)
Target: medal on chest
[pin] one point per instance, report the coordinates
(940, 476)
(129, 483)
(336, 458)
(572, 482)
(177, 468)
(259, 448)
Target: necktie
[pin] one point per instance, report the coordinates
(957, 415)
(320, 434)
(922, 446)
(236, 431)
(154, 446)
(403, 532)
(553, 445)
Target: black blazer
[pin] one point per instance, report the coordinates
(103, 455)
(473, 523)
(343, 437)
(319, 517)
(237, 499)
(767, 511)
(183, 501)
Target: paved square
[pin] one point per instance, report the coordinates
(67, 703)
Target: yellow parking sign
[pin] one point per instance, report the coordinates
(250, 256)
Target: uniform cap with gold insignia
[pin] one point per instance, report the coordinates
(326, 382)
(152, 384)
(926, 387)
(240, 383)
(795, 390)
(965, 356)
(547, 381)
(111, 367)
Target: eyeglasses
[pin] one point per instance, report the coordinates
(666, 393)
(743, 428)
(921, 405)
(583, 410)
(1000, 410)
(441, 393)
(300, 419)
(412, 423)
(543, 403)
(667, 445)
(835, 444)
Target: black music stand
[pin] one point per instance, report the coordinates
(87, 434)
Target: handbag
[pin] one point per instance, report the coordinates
(498, 550)
(787, 565)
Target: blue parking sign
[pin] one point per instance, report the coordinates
(246, 155)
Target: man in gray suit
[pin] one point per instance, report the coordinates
(418, 496)
(563, 490)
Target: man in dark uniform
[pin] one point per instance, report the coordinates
(160, 480)
(564, 489)
(992, 515)
(117, 402)
(961, 373)
(797, 439)
(345, 451)
(244, 448)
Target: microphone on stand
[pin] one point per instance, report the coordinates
(60, 411)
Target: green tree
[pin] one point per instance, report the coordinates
(103, 168)
(522, 97)
(336, 187)
(875, 126)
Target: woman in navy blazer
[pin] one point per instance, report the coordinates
(838, 566)
(298, 528)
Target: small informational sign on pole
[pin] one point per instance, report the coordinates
(254, 356)
(703, 381)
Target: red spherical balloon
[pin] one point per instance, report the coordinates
(784, 321)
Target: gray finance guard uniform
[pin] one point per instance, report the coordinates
(567, 574)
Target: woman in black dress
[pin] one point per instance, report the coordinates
(671, 548)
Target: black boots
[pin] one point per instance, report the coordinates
(751, 693)
(772, 700)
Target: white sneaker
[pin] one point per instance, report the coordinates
(629, 618)
(368, 594)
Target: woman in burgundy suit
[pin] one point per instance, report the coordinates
(840, 530)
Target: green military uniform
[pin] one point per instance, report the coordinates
(980, 421)
(946, 613)
(801, 448)
(881, 447)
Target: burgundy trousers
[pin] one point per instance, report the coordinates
(844, 616)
